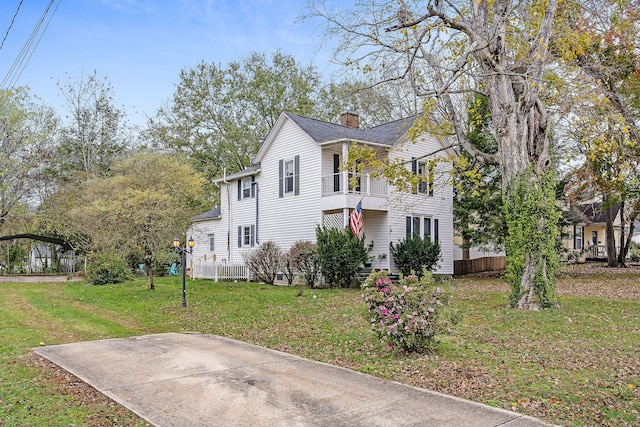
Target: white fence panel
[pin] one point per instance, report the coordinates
(220, 271)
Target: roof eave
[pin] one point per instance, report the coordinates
(237, 175)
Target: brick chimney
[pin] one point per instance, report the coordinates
(350, 119)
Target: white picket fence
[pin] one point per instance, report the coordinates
(207, 269)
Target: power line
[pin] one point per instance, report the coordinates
(11, 24)
(23, 58)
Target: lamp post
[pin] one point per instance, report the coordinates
(183, 252)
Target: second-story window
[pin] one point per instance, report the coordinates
(290, 176)
(246, 188)
(426, 173)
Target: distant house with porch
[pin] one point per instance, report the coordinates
(298, 182)
(587, 236)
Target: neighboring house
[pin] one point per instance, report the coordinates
(587, 236)
(298, 183)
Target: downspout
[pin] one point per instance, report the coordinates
(224, 180)
(257, 216)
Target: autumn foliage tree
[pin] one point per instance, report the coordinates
(604, 54)
(146, 201)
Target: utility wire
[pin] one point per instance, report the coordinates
(20, 63)
(11, 24)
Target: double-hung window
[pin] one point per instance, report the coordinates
(246, 188)
(289, 176)
(211, 243)
(246, 235)
(578, 237)
(426, 174)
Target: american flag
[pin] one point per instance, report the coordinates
(355, 220)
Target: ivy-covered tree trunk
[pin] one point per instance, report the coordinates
(521, 123)
(532, 217)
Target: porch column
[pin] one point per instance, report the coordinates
(345, 174)
(345, 216)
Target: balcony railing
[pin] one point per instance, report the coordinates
(350, 183)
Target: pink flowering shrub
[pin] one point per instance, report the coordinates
(408, 315)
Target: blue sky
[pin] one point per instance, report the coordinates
(141, 45)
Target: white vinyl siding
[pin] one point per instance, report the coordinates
(286, 217)
(437, 206)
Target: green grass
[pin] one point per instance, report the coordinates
(578, 365)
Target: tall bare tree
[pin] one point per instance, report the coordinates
(26, 131)
(94, 130)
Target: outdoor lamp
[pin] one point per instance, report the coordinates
(183, 252)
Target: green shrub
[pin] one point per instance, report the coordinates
(409, 315)
(107, 267)
(341, 255)
(414, 254)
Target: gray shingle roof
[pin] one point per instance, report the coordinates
(211, 214)
(386, 134)
(594, 213)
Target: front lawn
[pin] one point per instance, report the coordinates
(579, 365)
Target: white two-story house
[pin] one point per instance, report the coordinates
(298, 183)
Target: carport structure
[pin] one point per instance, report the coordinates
(66, 260)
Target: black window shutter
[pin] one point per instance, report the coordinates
(239, 237)
(414, 170)
(409, 226)
(253, 232)
(253, 187)
(239, 189)
(336, 173)
(296, 174)
(281, 180)
(435, 231)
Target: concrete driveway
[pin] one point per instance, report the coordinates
(205, 380)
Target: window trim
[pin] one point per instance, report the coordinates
(211, 241)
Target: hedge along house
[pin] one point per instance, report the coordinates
(298, 182)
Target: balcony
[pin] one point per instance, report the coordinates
(344, 190)
(343, 183)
